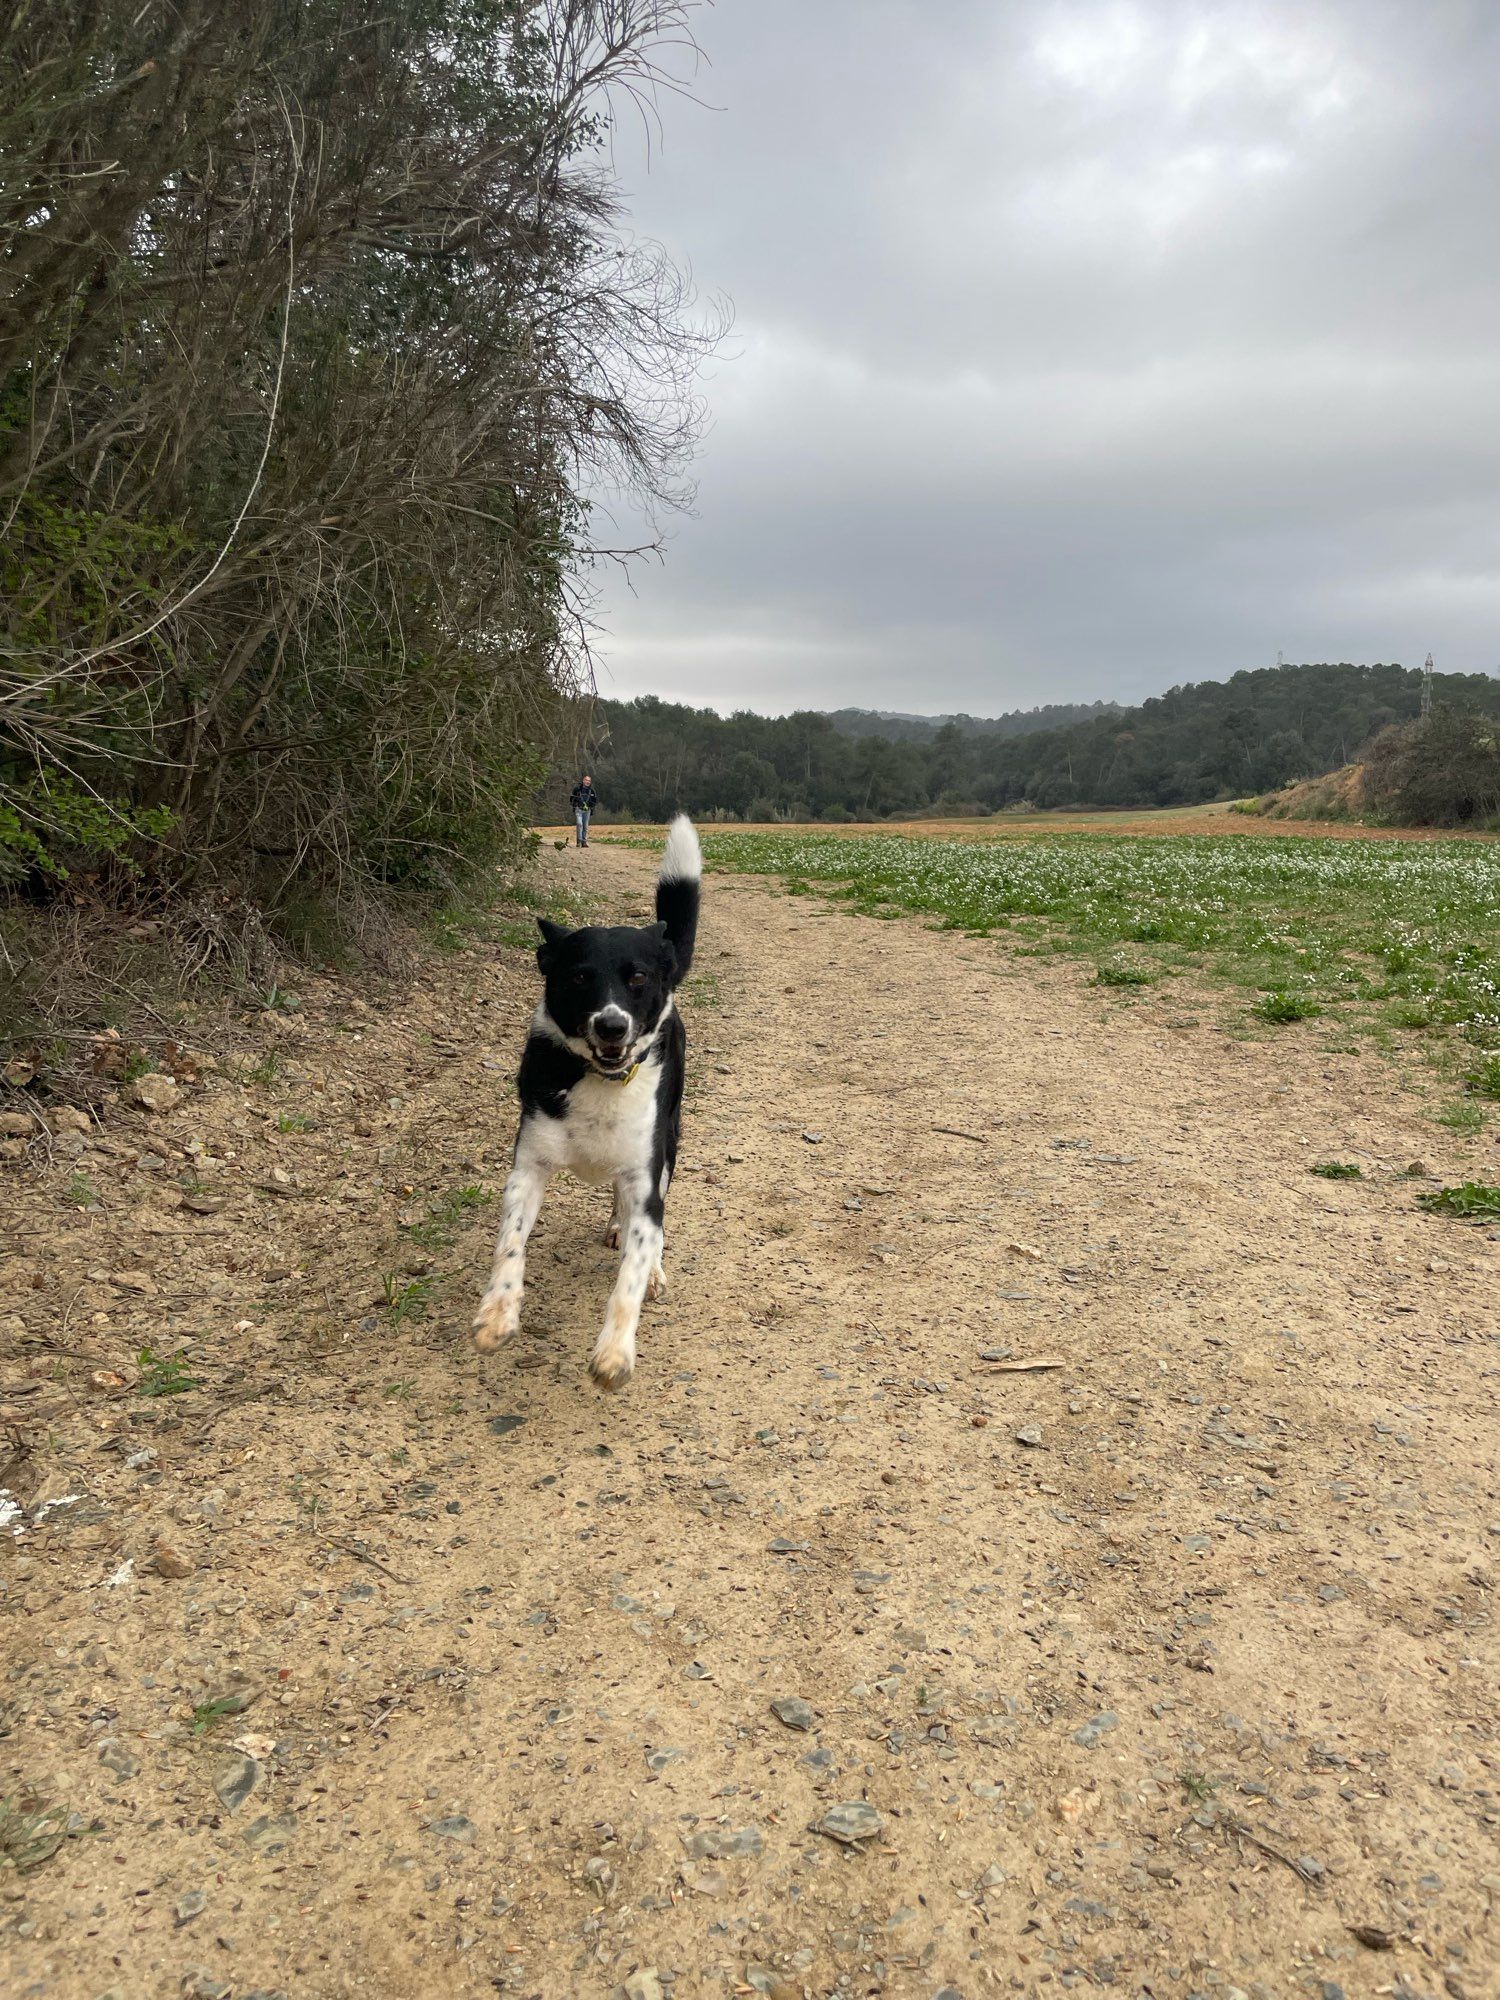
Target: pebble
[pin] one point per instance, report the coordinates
(455, 1826)
(115, 1757)
(793, 1711)
(192, 1903)
(1096, 1727)
(813, 1138)
(1030, 1434)
(851, 1822)
(716, 1843)
(502, 1426)
(155, 1092)
(658, 1760)
(644, 1985)
(269, 1836)
(236, 1782)
(169, 1562)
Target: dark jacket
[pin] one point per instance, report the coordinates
(583, 796)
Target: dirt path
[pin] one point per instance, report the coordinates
(1166, 1669)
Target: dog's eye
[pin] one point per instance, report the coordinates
(580, 979)
(636, 981)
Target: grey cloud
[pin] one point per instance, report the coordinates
(1080, 349)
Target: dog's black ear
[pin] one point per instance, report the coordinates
(552, 936)
(667, 948)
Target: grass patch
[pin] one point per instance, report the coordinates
(1337, 1170)
(80, 1192)
(1463, 1117)
(1283, 1008)
(1380, 936)
(293, 1121)
(209, 1714)
(702, 989)
(408, 1301)
(1472, 1201)
(164, 1374)
(1122, 975)
(435, 1231)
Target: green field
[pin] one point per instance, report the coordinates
(1393, 940)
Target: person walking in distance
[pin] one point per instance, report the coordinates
(583, 799)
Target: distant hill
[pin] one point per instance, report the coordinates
(1205, 740)
(1215, 739)
(899, 728)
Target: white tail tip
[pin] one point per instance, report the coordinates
(682, 858)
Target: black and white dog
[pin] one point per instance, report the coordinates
(601, 1094)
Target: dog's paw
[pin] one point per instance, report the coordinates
(612, 1236)
(494, 1323)
(656, 1284)
(612, 1366)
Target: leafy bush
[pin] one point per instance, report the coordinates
(52, 826)
(1441, 771)
(294, 535)
(1472, 1201)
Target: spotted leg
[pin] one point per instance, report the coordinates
(640, 1207)
(500, 1309)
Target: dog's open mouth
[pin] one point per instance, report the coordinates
(611, 1064)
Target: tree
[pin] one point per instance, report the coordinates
(316, 323)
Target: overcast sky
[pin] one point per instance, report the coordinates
(1081, 347)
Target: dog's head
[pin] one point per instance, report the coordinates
(607, 989)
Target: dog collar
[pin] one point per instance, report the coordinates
(621, 1080)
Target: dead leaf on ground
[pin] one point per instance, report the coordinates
(1020, 1366)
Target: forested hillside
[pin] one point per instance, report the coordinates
(1206, 740)
(901, 728)
(316, 322)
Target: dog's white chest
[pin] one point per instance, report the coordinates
(608, 1126)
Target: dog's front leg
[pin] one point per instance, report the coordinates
(500, 1309)
(640, 1210)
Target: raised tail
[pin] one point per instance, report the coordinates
(679, 889)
